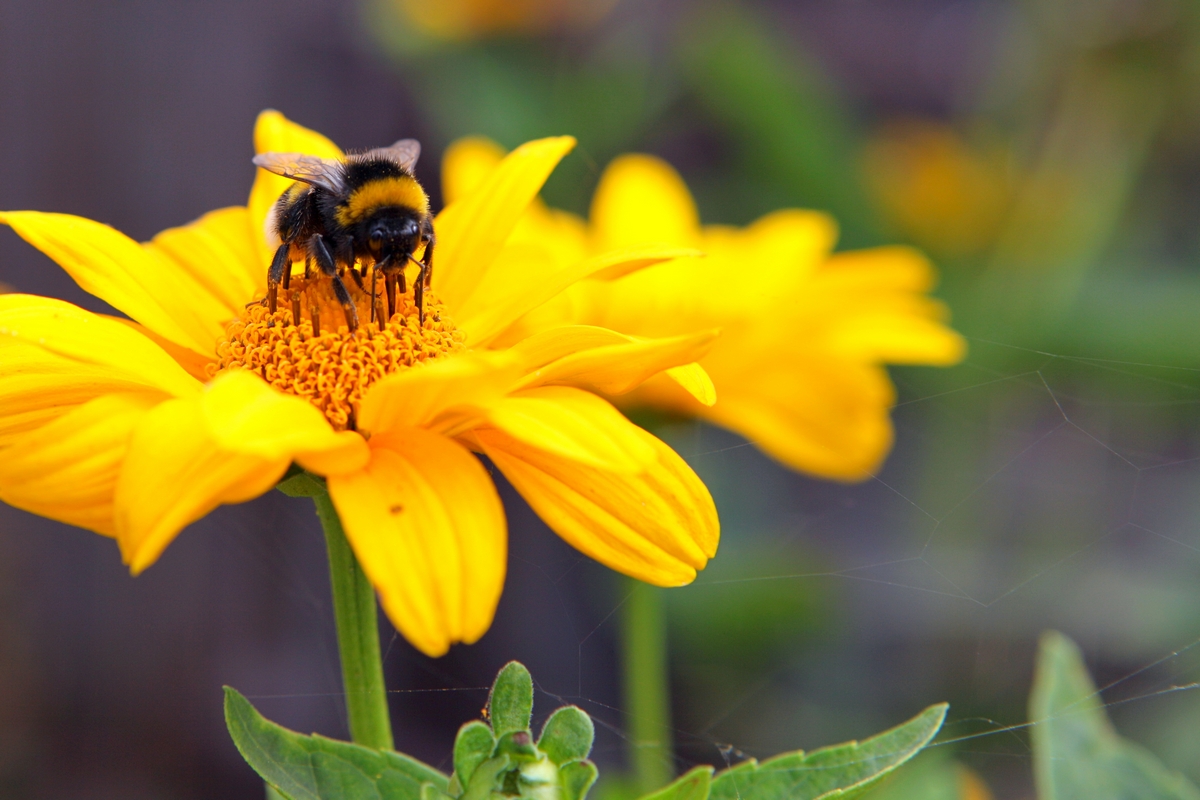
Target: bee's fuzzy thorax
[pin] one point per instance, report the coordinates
(402, 191)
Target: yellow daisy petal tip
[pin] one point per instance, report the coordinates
(696, 382)
(641, 199)
(274, 132)
(466, 165)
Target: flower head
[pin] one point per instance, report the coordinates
(474, 19)
(799, 366)
(135, 428)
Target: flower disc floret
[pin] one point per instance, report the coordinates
(333, 368)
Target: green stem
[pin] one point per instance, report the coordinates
(358, 636)
(646, 686)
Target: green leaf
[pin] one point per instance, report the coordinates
(567, 735)
(692, 786)
(1076, 751)
(842, 771)
(577, 778)
(473, 745)
(510, 704)
(316, 768)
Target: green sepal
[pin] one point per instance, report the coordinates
(510, 704)
(473, 745)
(316, 768)
(519, 746)
(487, 778)
(842, 771)
(567, 735)
(694, 785)
(1077, 753)
(577, 778)
(298, 483)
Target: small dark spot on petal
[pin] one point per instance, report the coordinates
(396, 509)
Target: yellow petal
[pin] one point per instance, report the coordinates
(67, 470)
(275, 133)
(693, 379)
(618, 365)
(473, 231)
(875, 310)
(659, 526)
(784, 247)
(466, 165)
(138, 281)
(220, 252)
(825, 417)
(193, 363)
(428, 528)
(571, 423)
(897, 338)
(247, 416)
(54, 356)
(524, 276)
(174, 474)
(642, 200)
(439, 394)
(880, 268)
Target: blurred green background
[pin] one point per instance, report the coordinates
(1045, 154)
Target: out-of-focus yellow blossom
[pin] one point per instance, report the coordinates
(971, 786)
(937, 189)
(474, 19)
(798, 368)
(135, 428)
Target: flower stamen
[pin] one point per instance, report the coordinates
(333, 369)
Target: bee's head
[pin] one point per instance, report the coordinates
(393, 235)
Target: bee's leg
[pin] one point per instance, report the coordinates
(374, 289)
(320, 254)
(389, 283)
(307, 267)
(419, 294)
(428, 261)
(353, 273)
(275, 275)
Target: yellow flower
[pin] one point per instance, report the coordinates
(135, 428)
(472, 19)
(798, 368)
(935, 188)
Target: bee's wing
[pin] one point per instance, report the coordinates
(323, 172)
(404, 152)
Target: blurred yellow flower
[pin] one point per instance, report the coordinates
(473, 19)
(135, 428)
(938, 190)
(798, 368)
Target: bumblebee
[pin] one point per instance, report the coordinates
(366, 208)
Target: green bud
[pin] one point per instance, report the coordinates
(518, 746)
(576, 777)
(567, 735)
(510, 704)
(473, 745)
(487, 778)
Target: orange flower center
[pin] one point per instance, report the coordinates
(306, 348)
